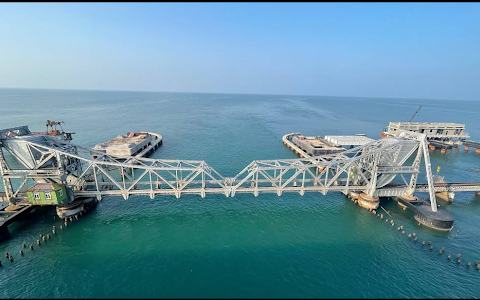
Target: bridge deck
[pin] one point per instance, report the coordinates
(442, 187)
(348, 171)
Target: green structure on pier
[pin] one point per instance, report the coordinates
(47, 194)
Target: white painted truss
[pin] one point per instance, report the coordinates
(368, 168)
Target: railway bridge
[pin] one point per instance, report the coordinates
(369, 169)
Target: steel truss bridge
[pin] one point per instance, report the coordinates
(369, 168)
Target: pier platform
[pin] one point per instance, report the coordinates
(439, 220)
(9, 216)
(472, 144)
(314, 145)
(307, 146)
(136, 144)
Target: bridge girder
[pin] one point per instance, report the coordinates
(367, 169)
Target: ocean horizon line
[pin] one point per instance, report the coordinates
(237, 93)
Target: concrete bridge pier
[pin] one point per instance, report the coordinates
(368, 202)
(439, 220)
(446, 196)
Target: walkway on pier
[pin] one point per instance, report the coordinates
(440, 144)
(289, 144)
(473, 144)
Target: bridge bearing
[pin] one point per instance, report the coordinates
(368, 202)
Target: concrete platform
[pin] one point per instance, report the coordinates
(8, 217)
(131, 144)
(368, 202)
(315, 145)
(440, 220)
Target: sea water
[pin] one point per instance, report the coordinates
(243, 246)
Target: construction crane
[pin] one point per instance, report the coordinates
(418, 109)
(53, 126)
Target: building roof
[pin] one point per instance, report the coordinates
(428, 124)
(123, 141)
(43, 187)
(347, 140)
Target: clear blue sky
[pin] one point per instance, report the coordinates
(406, 50)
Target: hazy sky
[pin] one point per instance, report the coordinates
(410, 50)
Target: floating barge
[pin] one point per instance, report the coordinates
(137, 144)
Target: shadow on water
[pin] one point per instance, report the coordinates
(26, 222)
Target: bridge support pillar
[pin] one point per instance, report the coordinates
(477, 194)
(446, 196)
(408, 198)
(368, 202)
(353, 196)
(451, 195)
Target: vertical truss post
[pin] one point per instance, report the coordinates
(96, 180)
(428, 168)
(416, 165)
(255, 191)
(61, 168)
(373, 177)
(348, 178)
(203, 182)
(7, 183)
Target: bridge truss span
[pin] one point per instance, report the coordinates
(368, 168)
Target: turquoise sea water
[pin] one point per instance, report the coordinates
(245, 246)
